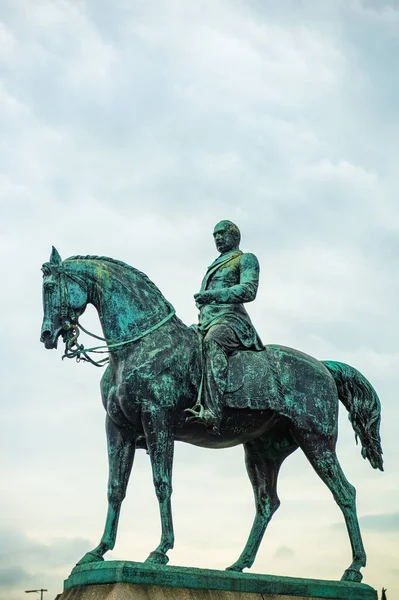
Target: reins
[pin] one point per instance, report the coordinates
(81, 353)
(73, 328)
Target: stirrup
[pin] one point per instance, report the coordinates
(197, 412)
(205, 417)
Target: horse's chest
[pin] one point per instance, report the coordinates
(146, 379)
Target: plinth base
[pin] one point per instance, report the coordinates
(120, 580)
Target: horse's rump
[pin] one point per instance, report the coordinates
(285, 380)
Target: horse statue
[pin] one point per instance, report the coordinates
(277, 400)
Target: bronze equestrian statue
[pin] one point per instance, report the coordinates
(275, 400)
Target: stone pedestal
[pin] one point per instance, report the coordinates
(120, 580)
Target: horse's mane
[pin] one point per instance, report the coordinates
(120, 263)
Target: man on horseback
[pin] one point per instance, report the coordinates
(230, 280)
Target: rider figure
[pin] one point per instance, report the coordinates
(230, 280)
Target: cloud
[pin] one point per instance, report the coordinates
(387, 522)
(284, 552)
(15, 546)
(14, 577)
(29, 562)
(129, 130)
(379, 523)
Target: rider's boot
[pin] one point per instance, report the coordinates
(211, 421)
(215, 375)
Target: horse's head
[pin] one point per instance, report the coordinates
(64, 300)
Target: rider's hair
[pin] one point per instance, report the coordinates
(233, 228)
(236, 232)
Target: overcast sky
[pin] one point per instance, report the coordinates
(129, 128)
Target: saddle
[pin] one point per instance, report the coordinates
(251, 379)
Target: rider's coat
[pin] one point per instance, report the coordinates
(233, 278)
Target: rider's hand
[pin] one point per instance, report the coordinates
(203, 298)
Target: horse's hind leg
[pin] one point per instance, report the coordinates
(263, 471)
(321, 454)
(121, 449)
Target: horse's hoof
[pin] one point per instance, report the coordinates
(89, 557)
(237, 568)
(158, 558)
(352, 575)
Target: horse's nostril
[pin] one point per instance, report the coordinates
(45, 334)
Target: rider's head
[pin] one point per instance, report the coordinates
(227, 236)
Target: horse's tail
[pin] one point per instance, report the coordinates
(361, 401)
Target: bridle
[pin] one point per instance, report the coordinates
(71, 327)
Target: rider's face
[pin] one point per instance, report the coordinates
(225, 239)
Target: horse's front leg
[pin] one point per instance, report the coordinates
(157, 424)
(121, 449)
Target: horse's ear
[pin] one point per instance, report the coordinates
(55, 258)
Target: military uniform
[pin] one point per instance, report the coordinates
(231, 279)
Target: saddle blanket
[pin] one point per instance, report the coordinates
(250, 381)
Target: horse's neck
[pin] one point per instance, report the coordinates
(128, 304)
(182, 351)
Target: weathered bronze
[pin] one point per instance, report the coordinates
(230, 280)
(237, 586)
(275, 400)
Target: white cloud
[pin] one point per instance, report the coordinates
(130, 130)
(343, 171)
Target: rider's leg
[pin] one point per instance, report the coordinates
(219, 342)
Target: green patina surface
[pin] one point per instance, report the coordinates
(277, 399)
(185, 577)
